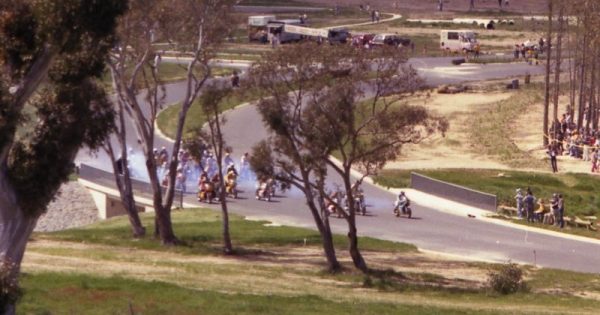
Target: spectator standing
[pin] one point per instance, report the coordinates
(594, 160)
(472, 5)
(561, 211)
(235, 80)
(377, 16)
(500, 3)
(552, 154)
(529, 202)
(373, 16)
(519, 199)
(441, 5)
(586, 151)
(555, 208)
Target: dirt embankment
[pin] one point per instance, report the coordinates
(455, 149)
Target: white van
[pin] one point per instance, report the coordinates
(458, 40)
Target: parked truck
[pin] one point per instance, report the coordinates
(331, 35)
(257, 27)
(276, 28)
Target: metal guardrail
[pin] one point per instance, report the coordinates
(453, 192)
(107, 179)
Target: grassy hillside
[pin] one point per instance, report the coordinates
(100, 270)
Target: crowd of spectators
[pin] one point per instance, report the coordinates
(566, 138)
(538, 211)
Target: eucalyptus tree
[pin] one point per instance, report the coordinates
(210, 102)
(331, 110)
(194, 28)
(50, 54)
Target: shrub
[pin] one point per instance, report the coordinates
(507, 280)
(9, 286)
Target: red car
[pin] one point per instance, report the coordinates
(361, 40)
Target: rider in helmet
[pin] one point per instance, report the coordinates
(231, 179)
(401, 202)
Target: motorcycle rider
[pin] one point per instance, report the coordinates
(245, 166)
(261, 188)
(401, 203)
(231, 180)
(332, 201)
(216, 185)
(228, 160)
(204, 187)
(359, 197)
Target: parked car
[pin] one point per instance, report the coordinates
(389, 39)
(360, 40)
(338, 36)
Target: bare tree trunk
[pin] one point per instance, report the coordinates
(15, 230)
(123, 182)
(357, 258)
(573, 68)
(547, 77)
(321, 219)
(558, 63)
(327, 239)
(163, 224)
(215, 137)
(123, 178)
(582, 83)
(592, 105)
(595, 94)
(227, 246)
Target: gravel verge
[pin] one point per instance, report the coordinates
(72, 207)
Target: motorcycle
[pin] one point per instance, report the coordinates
(264, 191)
(331, 206)
(359, 204)
(231, 188)
(206, 192)
(403, 210)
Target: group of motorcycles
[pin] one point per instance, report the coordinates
(338, 201)
(209, 189)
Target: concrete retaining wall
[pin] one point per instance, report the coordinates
(453, 192)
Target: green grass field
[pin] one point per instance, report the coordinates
(196, 279)
(50, 293)
(199, 230)
(579, 190)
